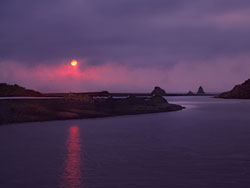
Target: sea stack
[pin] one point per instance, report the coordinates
(200, 91)
(241, 91)
(158, 91)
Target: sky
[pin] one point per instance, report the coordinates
(125, 45)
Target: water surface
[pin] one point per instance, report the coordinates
(206, 145)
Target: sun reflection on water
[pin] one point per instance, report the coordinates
(72, 171)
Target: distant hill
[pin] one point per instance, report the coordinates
(241, 91)
(17, 91)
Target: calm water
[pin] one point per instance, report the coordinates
(206, 145)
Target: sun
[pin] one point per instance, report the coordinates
(73, 63)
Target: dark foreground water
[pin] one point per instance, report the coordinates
(206, 145)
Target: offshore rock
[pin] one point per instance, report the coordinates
(190, 93)
(158, 91)
(200, 91)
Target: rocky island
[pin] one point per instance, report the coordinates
(80, 106)
(158, 91)
(200, 91)
(241, 91)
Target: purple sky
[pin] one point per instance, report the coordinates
(125, 45)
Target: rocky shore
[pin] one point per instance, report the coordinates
(76, 106)
(241, 91)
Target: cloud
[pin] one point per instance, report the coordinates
(133, 37)
(110, 76)
(133, 32)
(65, 78)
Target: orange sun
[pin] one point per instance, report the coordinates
(73, 63)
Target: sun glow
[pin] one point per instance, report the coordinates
(73, 63)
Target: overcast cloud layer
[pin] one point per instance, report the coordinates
(185, 43)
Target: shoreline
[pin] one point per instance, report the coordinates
(87, 118)
(39, 110)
